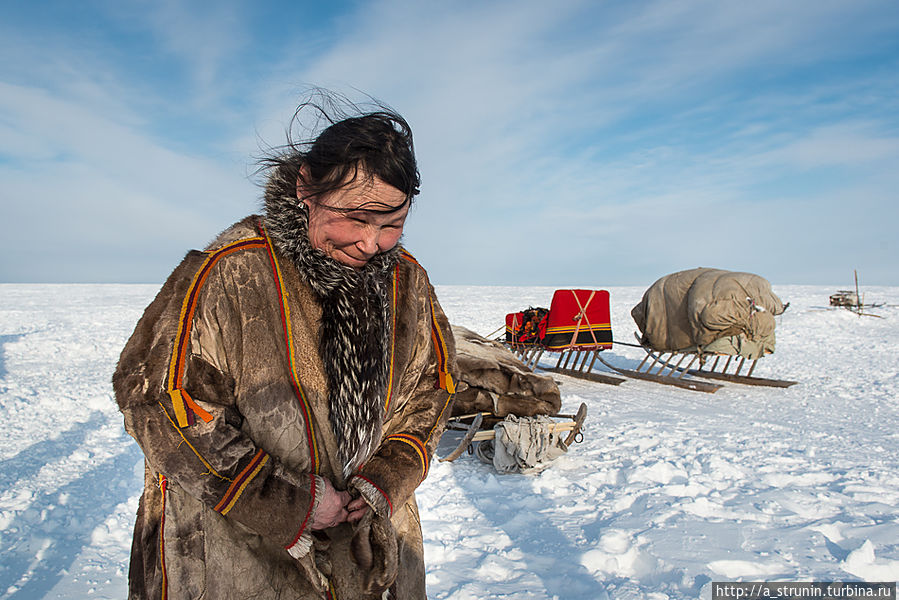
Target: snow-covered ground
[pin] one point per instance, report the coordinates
(670, 489)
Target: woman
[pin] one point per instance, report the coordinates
(288, 387)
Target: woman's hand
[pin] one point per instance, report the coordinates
(332, 508)
(357, 509)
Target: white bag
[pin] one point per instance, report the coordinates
(523, 445)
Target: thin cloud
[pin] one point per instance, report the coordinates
(201, 41)
(84, 181)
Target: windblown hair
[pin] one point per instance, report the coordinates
(341, 141)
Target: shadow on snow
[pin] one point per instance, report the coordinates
(50, 535)
(31, 459)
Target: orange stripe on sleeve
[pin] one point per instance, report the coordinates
(241, 482)
(419, 449)
(181, 402)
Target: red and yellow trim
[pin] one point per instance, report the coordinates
(574, 328)
(185, 406)
(419, 448)
(388, 395)
(444, 379)
(241, 482)
(291, 355)
(405, 254)
(312, 492)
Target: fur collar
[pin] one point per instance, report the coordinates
(356, 324)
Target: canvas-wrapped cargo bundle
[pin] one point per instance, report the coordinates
(710, 311)
(497, 382)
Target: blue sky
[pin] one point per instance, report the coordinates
(570, 143)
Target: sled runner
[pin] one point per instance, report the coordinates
(674, 375)
(708, 367)
(577, 326)
(495, 387)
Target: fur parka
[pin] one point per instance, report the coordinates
(250, 378)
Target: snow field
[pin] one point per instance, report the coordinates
(672, 489)
(669, 490)
(69, 492)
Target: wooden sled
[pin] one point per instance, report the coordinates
(577, 327)
(669, 368)
(730, 369)
(673, 377)
(474, 432)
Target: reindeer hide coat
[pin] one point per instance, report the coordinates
(247, 381)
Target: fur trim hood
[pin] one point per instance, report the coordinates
(356, 323)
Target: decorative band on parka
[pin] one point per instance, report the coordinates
(389, 394)
(291, 355)
(444, 379)
(241, 482)
(185, 406)
(163, 484)
(419, 448)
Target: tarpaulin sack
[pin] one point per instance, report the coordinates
(690, 310)
(523, 445)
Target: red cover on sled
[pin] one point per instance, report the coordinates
(526, 328)
(513, 325)
(578, 319)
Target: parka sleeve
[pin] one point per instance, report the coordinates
(410, 439)
(181, 408)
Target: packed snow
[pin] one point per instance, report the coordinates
(670, 489)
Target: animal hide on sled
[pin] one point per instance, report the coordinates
(498, 382)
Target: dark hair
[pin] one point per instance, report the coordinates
(342, 142)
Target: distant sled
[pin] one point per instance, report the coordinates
(697, 325)
(576, 326)
(853, 301)
(707, 323)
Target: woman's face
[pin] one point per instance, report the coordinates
(353, 237)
